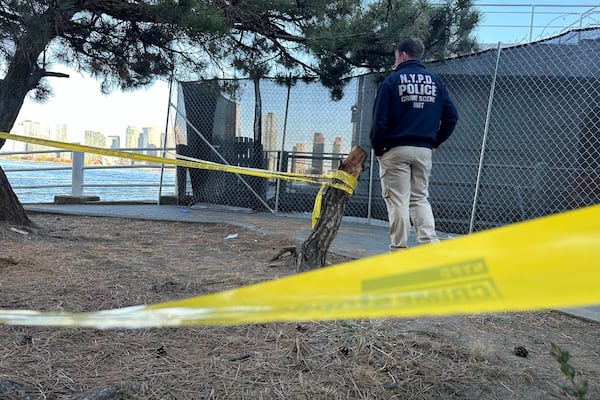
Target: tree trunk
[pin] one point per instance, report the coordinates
(11, 100)
(11, 210)
(22, 75)
(257, 111)
(314, 250)
(12, 96)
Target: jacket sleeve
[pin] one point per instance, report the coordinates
(379, 127)
(448, 121)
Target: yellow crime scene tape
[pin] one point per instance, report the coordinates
(551, 262)
(347, 181)
(337, 179)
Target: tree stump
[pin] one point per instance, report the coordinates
(313, 251)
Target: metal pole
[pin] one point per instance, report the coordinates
(531, 22)
(285, 119)
(484, 141)
(164, 149)
(77, 174)
(370, 200)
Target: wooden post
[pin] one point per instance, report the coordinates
(314, 250)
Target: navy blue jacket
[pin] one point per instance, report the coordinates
(413, 108)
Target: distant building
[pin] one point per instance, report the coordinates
(132, 134)
(95, 139)
(13, 145)
(114, 141)
(337, 149)
(32, 128)
(270, 140)
(170, 140)
(37, 130)
(153, 136)
(318, 151)
(150, 139)
(143, 138)
(61, 132)
(299, 165)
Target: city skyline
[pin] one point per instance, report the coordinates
(63, 132)
(144, 136)
(134, 137)
(152, 137)
(299, 127)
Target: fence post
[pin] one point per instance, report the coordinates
(370, 199)
(531, 22)
(484, 140)
(77, 174)
(285, 120)
(164, 146)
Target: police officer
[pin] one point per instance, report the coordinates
(413, 115)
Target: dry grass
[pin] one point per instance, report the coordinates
(84, 264)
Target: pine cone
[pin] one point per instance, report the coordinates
(521, 351)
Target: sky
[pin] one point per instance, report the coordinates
(521, 21)
(78, 101)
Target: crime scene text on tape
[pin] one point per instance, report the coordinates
(550, 262)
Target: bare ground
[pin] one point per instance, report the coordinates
(78, 264)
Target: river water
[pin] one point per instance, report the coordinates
(32, 173)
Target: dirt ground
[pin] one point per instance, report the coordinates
(77, 264)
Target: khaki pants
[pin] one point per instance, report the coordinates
(404, 173)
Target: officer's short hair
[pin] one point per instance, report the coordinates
(413, 47)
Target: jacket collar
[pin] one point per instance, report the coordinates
(408, 64)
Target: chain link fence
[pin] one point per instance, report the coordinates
(290, 128)
(527, 143)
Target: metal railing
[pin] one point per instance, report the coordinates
(29, 173)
